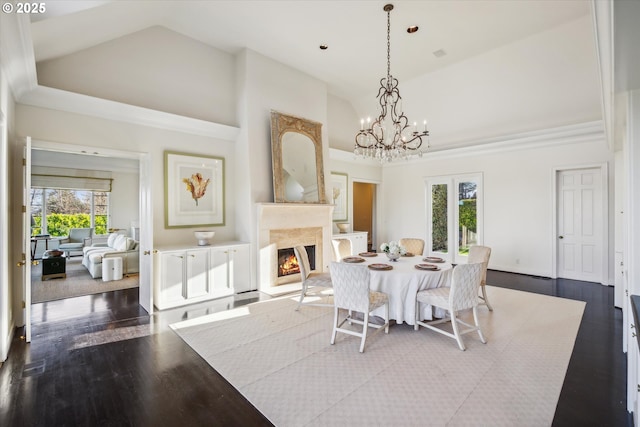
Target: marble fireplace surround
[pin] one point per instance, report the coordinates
(285, 225)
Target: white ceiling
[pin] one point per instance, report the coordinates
(291, 32)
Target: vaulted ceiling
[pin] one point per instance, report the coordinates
(508, 66)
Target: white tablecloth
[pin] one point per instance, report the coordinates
(403, 283)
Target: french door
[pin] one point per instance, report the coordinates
(454, 215)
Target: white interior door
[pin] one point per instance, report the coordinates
(146, 235)
(27, 258)
(580, 224)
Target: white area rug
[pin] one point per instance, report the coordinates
(281, 361)
(78, 283)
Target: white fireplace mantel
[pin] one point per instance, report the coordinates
(290, 219)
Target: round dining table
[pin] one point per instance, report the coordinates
(402, 282)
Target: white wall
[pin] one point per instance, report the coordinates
(518, 199)
(154, 68)
(124, 200)
(343, 123)
(7, 321)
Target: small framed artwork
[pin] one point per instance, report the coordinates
(193, 190)
(339, 182)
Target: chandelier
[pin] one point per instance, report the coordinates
(390, 136)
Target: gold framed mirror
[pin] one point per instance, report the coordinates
(298, 170)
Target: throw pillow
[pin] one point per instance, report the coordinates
(111, 239)
(120, 243)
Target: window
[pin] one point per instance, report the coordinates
(55, 211)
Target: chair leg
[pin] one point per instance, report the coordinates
(484, 297)
(386, 317)
(456, 332)
(302, 295)
(417, 319)
(365, 327)
(335, 325)
(475, 319)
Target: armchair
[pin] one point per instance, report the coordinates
(77, 239)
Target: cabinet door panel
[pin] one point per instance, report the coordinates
(220, 271)
(359, 243)
(197, 273)
(239, 260)
(172, 285)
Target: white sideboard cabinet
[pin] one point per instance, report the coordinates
(358, 241)
(185, 275)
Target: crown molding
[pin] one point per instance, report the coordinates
(18, 58)
(602, 15)
(571, 134)
(71, 102)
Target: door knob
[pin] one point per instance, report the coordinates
(21, 263)
(560, 237)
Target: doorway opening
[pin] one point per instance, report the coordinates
(82, 199)
(364, 202)
(137, 166)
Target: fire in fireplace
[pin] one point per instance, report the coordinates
(288, 263)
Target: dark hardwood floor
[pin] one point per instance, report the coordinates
(101, 360)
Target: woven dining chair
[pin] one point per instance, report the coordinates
(462, 295)
(310, 278)
(415, 246)
(481, 254)
(351, 292)
(341, 248)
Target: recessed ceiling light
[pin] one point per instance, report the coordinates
(439, 53)
(412, 29)
(324, 47)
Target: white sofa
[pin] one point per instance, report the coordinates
(117, 245)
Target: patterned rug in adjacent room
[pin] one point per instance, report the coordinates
(282, 362)
(78, 283)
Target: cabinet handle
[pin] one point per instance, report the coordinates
(192, 256)
(633, 334)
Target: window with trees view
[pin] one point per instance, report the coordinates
(55, 211)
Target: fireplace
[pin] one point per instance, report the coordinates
(287, 225)
(288, 264)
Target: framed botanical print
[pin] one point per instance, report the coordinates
(339, 182)
(194, 190)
